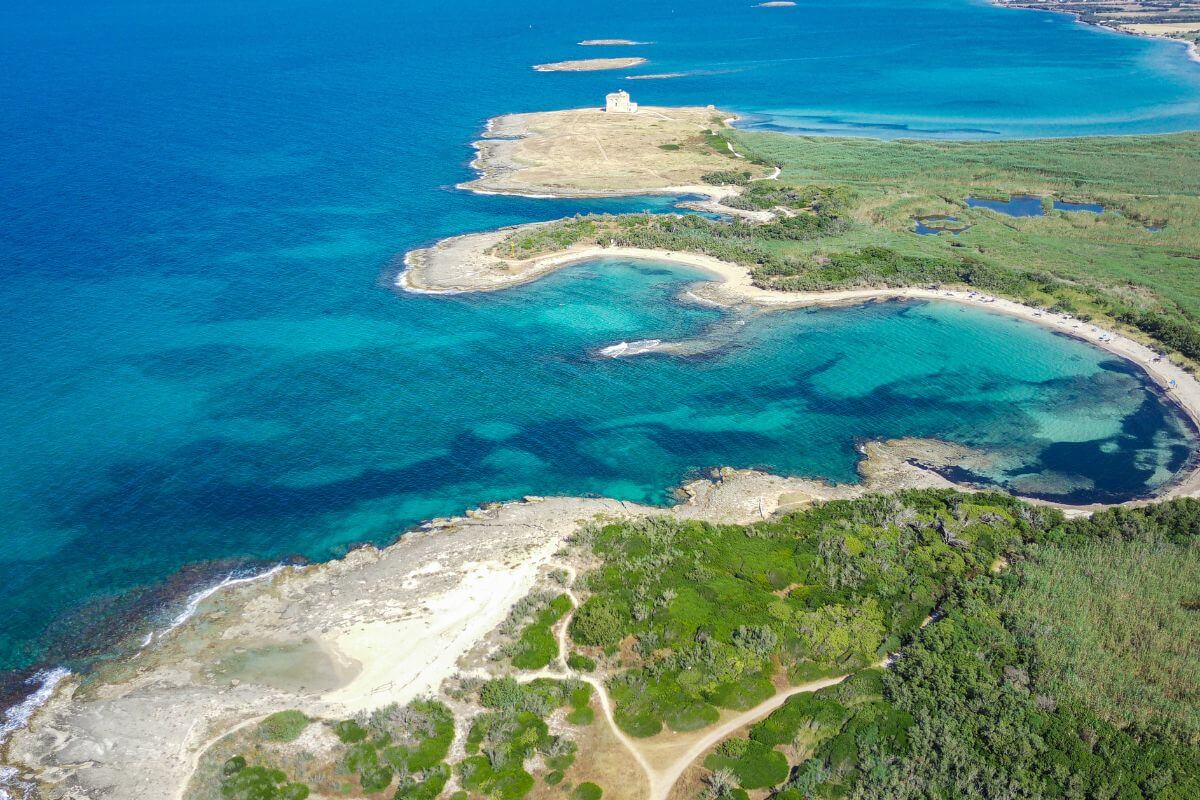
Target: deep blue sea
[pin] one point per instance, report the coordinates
(203, 366)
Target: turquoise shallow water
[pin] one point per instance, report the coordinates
(204, 365)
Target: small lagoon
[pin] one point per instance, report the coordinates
(934, 224)
(1093, 208)
(1028, 205)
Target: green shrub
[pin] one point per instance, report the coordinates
(349, 731)
(427, 789)
(513, 784)
(691, 716)
(360, 756)
(587, 791)
(261, 783)
(375, 778)
(578, 661)
(727, 176)
(537, 646)
(475, 772)
(596, 623)
(581, 716)
(554, 778)
(429, 744)
(756, 765)
(283, 726)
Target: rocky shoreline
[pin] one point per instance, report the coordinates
(375, 627)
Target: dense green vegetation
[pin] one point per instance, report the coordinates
(535, 647)
(1031, 657)
(1073, 673)
(395, 751)
(829, 201)
(727, 177)
(710, 616)
(243, 782)
(402, 744)
(502, 740)
(283, 726)
(1128, 647)
(580, 662)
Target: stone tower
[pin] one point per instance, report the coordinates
(619, 103)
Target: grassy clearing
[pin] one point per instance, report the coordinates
(1116, 626)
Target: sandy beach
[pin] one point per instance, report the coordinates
(1123, 19)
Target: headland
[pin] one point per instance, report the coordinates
(377, 627)
(590, 152)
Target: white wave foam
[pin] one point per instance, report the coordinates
(12, 787)
(18, 715)
(199, 597)
(623, 349)
(10, 781)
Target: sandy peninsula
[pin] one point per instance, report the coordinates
(589, 64)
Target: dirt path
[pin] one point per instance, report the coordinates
(662, 777)
(562, 670)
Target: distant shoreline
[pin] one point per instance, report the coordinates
(1192, 51)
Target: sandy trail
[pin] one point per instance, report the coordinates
(662, 778)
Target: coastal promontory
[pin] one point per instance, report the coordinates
(589, 152)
